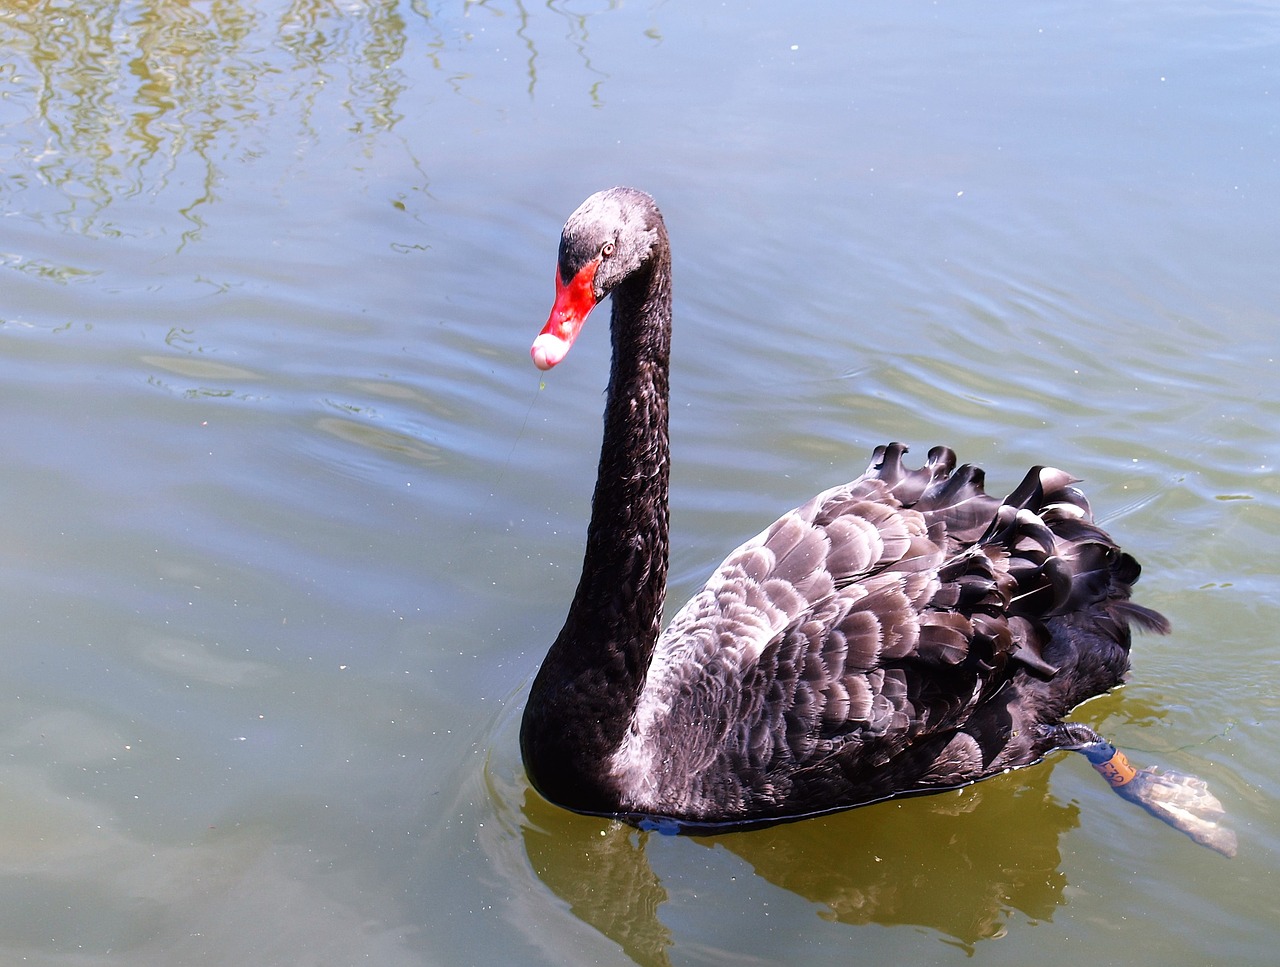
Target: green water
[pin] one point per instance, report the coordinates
(287, 519)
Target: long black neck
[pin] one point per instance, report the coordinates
(582, 698)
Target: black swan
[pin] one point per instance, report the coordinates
(901, 633)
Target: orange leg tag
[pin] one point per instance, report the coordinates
(1116, 770)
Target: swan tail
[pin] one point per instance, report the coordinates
(1042, 534)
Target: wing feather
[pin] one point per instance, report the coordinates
(878, 614)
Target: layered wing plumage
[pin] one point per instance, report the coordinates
(866, 644)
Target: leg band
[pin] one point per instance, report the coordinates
(1116, 769)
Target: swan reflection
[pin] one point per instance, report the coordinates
(961, 864)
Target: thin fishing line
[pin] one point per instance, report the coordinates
(542, 384)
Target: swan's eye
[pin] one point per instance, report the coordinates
(607, 250)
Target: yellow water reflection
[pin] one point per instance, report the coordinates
(988, 853)
(104, 102)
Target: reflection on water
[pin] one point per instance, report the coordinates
(982, 853)
(104, 102)
(160, 99)
(957, 863)
(604, 876)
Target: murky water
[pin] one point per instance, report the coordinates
(288, 519)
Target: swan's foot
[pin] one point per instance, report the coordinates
(1184, 802)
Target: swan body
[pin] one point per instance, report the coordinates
(900, 633)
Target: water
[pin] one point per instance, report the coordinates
(288, 520)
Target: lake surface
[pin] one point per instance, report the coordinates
(288, 519)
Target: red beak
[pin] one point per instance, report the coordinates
(574, 300)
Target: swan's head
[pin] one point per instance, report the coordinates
(611, 236)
